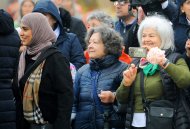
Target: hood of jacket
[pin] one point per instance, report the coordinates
(49, 7)
(6, 23)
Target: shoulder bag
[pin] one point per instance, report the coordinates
(159, 113)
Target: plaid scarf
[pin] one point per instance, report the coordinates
(31, 108)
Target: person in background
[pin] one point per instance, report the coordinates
(181, 24)
(99, 79)
(67, 43)
(126, 20)
(179, 15)
(44, 77)
(10, 103)
(97, 18)
(13, 10)
(26, 7)
(100, 18)
(73, 7)
(71, 24)
(156, 35)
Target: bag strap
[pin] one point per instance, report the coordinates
(144, 100)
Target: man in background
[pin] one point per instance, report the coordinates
(126, 20)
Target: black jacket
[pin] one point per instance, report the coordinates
(73, 25)
(9, 53)
(55, 91)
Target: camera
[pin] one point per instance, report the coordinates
(150, 7)
(137, 52)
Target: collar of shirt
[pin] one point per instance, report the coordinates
(57, 31)
(188, 21)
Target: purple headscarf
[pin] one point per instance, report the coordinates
(42, 36)
(42, 33)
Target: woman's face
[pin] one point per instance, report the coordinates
(25, 35)
(150, 38)
(27, 7)
(96, 47)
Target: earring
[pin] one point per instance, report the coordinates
(182, 11)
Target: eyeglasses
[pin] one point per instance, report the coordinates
(121, 3)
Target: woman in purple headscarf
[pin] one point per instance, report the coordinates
(44, 77)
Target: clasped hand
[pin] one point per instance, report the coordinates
(106, 96)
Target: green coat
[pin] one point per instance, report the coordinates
(153, 86)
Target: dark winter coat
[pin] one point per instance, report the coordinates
(9, 53)
(67, 43)
(180, 26)
(55, 90)
(105, 75)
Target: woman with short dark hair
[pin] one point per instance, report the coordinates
(96, 82)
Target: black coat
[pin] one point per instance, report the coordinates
(73, 25)
(9, 53)
(55, 90)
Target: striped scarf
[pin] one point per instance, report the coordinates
(31, 108)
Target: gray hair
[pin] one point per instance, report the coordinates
(102, 17)
(111, 39)
(162, 26)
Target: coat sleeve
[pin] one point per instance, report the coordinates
(122, 94)
(179, 72)
(64, 89)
